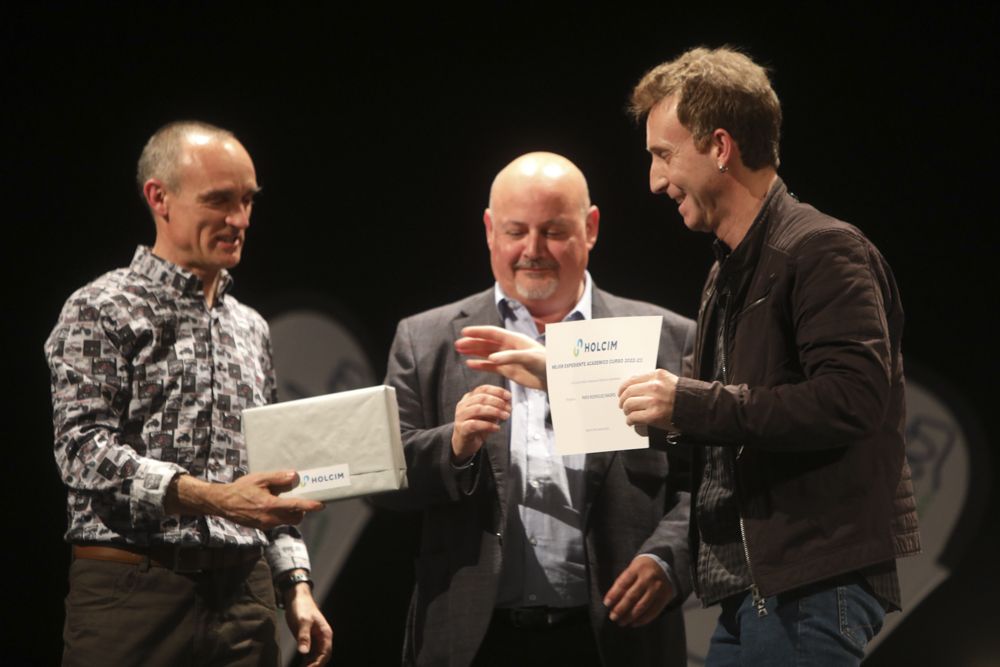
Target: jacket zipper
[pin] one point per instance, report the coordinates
(758, 599)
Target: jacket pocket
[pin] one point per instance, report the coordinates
(760, 298)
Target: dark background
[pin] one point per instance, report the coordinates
(376, 134)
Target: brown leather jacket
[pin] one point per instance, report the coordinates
(813, 397)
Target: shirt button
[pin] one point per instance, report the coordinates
(533, 541)
(532, 597)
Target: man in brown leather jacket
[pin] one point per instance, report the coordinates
(794, 409)
(801, 492)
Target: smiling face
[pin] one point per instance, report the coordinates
(682, 172)
(201, 221)
(540, 228)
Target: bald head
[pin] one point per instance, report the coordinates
(540, 227)
(541, 172)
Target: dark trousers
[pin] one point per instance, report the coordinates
(123, 614)
(568, 643)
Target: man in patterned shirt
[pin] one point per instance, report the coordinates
(151, 366)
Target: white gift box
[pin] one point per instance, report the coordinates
(342, 445)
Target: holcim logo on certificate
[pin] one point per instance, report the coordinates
(328, 477)
(594, 346)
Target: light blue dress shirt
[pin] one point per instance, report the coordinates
(543, 549)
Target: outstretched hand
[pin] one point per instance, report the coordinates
(510, 354)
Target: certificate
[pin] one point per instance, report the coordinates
(587, 361)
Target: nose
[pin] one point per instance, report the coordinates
(534, 245)
(658, 181)
(239, 217)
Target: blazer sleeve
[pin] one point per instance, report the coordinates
(431, 477)
(669, 542)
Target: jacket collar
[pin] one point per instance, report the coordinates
(747, 252)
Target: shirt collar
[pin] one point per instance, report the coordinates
(168, 274)
(583, 310)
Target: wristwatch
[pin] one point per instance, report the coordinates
(288, 582)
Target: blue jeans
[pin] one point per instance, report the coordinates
(821, 625)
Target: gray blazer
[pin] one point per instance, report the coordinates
(630, 505)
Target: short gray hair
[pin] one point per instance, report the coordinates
(162, 152)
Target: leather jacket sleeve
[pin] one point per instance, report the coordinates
(813, 357)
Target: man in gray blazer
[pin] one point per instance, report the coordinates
(528, 557)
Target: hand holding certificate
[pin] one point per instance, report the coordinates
(648, 399)
(584, 365)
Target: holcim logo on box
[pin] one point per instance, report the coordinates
(328, 477)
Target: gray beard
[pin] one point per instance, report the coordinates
(537, 292)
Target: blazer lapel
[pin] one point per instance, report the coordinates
(598, 305)
(483, 310)
(596, 465)
(596, 468)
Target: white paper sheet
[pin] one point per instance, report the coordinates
(587, 362)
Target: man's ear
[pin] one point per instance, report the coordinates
(488, 224)
(592, 223)
(156, 196)
(724, 147)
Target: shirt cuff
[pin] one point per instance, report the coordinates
(667, 570)
(468, 464)
(149, 489)
(467, 474)
(286, 551)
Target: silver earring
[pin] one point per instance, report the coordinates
(723, 168)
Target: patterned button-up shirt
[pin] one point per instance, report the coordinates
(147, 383)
